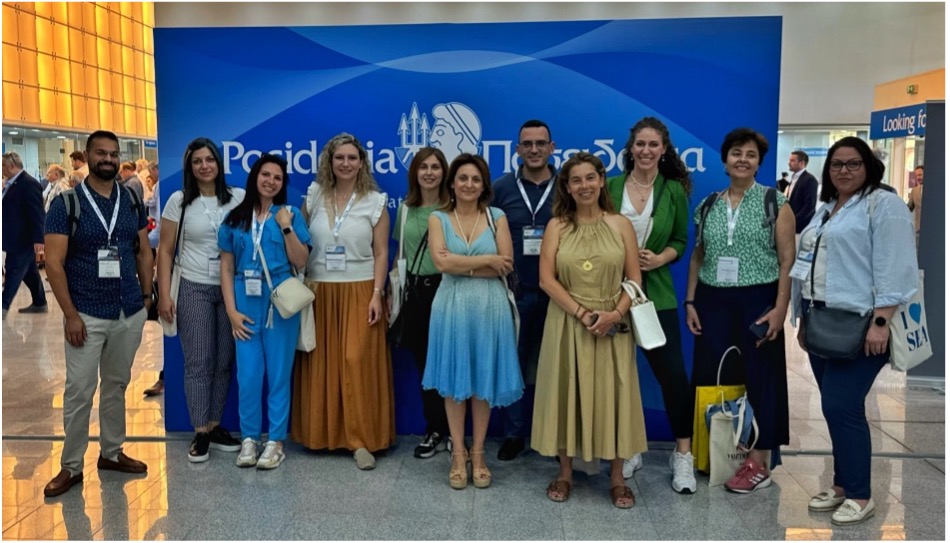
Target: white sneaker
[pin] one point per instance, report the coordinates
(681, 464)
(635, 463)
(272, 457)
(248, 456)
(851, 513)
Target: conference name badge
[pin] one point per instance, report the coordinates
(253, 282)
(802, 265)
(336, 257)
(532, 240)
(109, 262)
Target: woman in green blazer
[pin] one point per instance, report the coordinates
(653, 193)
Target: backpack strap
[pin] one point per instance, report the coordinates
(71, 201)
(771, 213)
(138, 209)
(704, 210)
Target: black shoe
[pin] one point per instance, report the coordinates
(432, 443)
(34, 309)
(510, 448)
(221, 440)
(199, 447)
(155, 389)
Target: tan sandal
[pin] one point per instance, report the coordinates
(559, 491)
(458, 478)
(481, 477)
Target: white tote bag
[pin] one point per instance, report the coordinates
(910, 337)
(726, 452)
(646, 325)
(397, 276)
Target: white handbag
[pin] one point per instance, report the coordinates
(397, 276)
(170, 329)
(307, 338)
(647, 331)
(290, 297)
(910, 337)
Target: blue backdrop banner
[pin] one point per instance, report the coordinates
(462, 88)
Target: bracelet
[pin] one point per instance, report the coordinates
(147, 296)
(576, 310)
(619, 313)
(377, 289)
(687, 302)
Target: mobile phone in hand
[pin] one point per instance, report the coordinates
(760, 330)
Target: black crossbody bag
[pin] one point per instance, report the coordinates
(398, 331)
(833, 333)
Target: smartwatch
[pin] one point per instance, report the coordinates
(880, 321)
(287, 230)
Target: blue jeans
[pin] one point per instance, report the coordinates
(844, 386)
(21, 267)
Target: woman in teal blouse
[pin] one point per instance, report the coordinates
(652, 193)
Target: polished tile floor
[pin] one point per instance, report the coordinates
(323, 496)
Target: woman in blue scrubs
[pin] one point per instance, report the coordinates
(265, 341)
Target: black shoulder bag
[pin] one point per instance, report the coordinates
(398, 330)
(833, 333)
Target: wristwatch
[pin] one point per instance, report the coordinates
(287, 230)
(880, 321)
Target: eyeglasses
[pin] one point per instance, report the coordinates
(537, 143)
(852, 165)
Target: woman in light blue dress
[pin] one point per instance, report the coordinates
(473, 352)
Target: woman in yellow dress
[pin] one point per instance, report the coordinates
(588, 396)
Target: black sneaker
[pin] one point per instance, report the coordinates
(432, 443)
(199, 447)
(221, 440)
(510, 448)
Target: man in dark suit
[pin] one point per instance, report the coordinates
(23, 220)
(802, 192)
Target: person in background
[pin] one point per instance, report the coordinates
(101, 275)
(428, 191)
(128, 179)
(916, 197)
(802, 190)
(865, 262)
(78, 161)
(141, 169)
(782, 183)
(653, 194)
(343, 389)
(738, 275)
(262, 230)
(58, 182)
(473, 346)
(525, 198)
(588, 397)
(23, 217)
(202, 318)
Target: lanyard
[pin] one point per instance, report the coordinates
(257, 232)
(527, 202)
(732, 217)
(115, 211)
(337, 218)
(214, 217)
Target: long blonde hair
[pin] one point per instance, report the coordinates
(325, 178)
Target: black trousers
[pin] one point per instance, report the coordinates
(725, 315)
(670, 371)
(419, 307)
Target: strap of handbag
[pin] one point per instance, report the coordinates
(494, 232)
(416, 263)
(181, 229)
(633, 290)
(270, 285)
(402, 229)
(722, 361)
(814, 259)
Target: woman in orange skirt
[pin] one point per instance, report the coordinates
(343, 389)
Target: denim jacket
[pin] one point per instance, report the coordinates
(871, 258)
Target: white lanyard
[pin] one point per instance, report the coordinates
(337, 218)
(115, 211)
(527, 202)
(214, 217)
(732, 217)
(257, 232)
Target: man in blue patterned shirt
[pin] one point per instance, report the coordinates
(100, 270)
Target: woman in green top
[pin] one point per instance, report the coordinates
(428, 191)
(738, 276)
(652, 193)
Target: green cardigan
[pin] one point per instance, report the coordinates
(670, 229)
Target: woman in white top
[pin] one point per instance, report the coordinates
(343, 389)
(203, 324)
